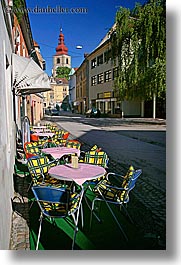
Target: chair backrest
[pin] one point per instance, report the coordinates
(130, 184)
(97, 158)
(29, 144)
(118, 192)
(132, 180)
(34, 137)
(95, 148)
(65, 135)
(32, 149)
(38, 166)
(56, 202)
(76, 145)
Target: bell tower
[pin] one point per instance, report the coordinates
(61, 58)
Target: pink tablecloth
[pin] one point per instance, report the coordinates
(44, 134)
(79, 175)
(39, 130)
(58, 152)
(39, 127)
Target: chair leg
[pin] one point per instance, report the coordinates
(92, 212)
(131, 220)
(120, 227)
(76, 219)
(82, 215)
(29, 186)
(111, 211)
(39, 232)
(75, 230)
(31, 204)
(74, 238)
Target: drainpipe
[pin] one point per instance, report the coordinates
(154, 106)
(142, 109)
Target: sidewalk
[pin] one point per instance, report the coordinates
(114, 120)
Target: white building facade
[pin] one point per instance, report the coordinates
(7, 127)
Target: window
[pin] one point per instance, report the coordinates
(107, 56)
(67, 61)
(115, 72)
(80, 77)
(107, 76)
(52, 95)
(93, 80)
(100, 60)
(17, 42)
(100, 95)
(100, 78)
(58, 60)
(93, 63)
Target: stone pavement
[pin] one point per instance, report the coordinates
(146, 217)
(20, 216)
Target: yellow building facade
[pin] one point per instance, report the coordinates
(60, 90)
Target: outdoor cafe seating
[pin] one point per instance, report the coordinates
(54, 184)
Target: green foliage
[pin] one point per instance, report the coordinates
(139, 43)
(63, 72)
(65, 103)
(57, 107)
(19, 9)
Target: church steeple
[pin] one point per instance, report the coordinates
(61, 58)
(61, 48)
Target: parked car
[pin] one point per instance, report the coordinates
(47, 111)
(54, 112)
(93, 113)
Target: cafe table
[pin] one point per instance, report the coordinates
(39, 127)
(38, 130)
(44, 134)
(58, 152)
(80, 175)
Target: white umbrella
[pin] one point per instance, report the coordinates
(28, 77)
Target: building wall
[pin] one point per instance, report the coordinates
(56, 95)
(101, 81)
(7, 132)
(102, 73)
(36, 109)
(81, 88)
(20, 49)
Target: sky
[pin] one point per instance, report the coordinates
(86, 29)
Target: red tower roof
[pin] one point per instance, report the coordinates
(61, 48)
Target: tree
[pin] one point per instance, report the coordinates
(63, 72)
(139, 44)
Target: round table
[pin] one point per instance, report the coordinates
(58, 152)
(44, 134)
(83, 173)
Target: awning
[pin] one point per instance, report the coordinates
(28, 77)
